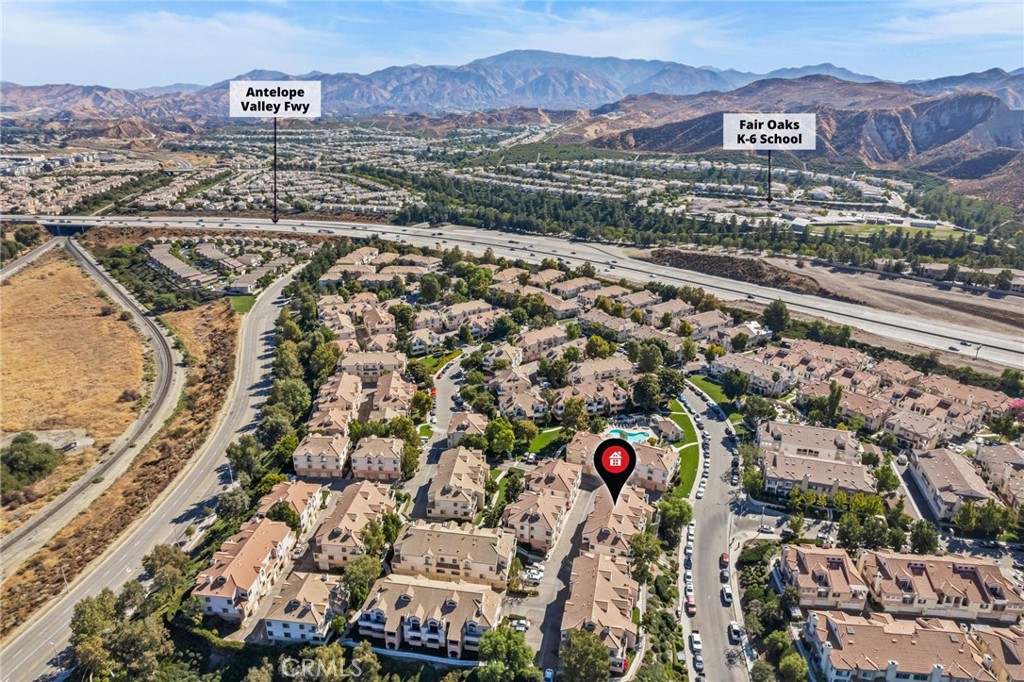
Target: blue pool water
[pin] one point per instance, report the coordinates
(632, 436)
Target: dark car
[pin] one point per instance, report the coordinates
(723, 560)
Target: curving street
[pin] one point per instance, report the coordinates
(32, 651)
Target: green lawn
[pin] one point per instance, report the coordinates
(544, 439)
(242, 304)
(438, 359)
(689, 458)
(682, 418)
(709, 387)
(426, 431)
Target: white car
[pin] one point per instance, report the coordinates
(727, 594)
(700, 493)
(688, 577)
(689, 549)
(692, 527)
(689, 589)
(695, 643)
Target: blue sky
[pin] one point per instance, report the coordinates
(156, 43)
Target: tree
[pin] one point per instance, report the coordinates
(735, 384)
(138, 646)
(647, 392)
(753, 481)
(421, 403)
(1003, 280)
(358, 576)
(525, 431)
(572, 354)
(373, 537)
(835, 395)
(392, 525)
(245, 455)
(501, 437)
(924, 537)
(713, 351)
(644, 550)
(649, 358)
(132, 596)
(874, 532)
(25, 461)
(598, 348)
(966, 516)
(507, 646)
(275, 424)
(293, 394)
(574, 416)
(849, 535)
(793, 668)
(777, 641)
(739, 342)
(776, 317)
(410, 460)
(885, 478)
(675, 513)
(762, 671)
(757, 409)
(322, 362)
(164, 555)
(430, 288)
(584, 658)
(993, 517)
(896, 538)
(689, 350)
(365, 661)
(796, 524)
(514, 485)
(264, 672)
(232, 503)
(672, 382)
(419, 372)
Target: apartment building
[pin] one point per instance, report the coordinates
(523, 403)
(536, 342)
(784, 472)
(371, 366)
(338, 539)
(1004, 468)
(656, 467)
(424, 341)
(839, 356)
(611, 526)
(851, 648)
(431, 263)
(556, 477)
(509, 275)
(957, 418)
(305, 499)
(854, 380)
(639, 300)
(441, 617)
(601, 369)
(244, 569)
(804, 367)
(429, 319)
(511, 356)
(463, 424)
(545, 277)
(951, 586)
(1002, 649)
(573, 287)
(337, 403)
(915, 431)
(378, 459)
(675, 308)
(457, 489)
(303, 611)
(708, 323)
(895, 372)
(764, 379)
(826, 578)
(392, 398)
(988, 402)
(603, 398)
(361, 256)
(537, 518)
(807, 441)
(947, 480)
(452, 551)
(612, 292)
(321, 456)
(602, 595)
(459, 313)
(873, 411)
(619, 328)
(378, 321)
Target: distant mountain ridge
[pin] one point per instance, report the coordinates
(520, 78)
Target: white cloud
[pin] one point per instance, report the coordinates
(938, 22)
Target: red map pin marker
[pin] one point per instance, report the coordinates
(614, 461)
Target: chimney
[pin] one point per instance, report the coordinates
(987, 662)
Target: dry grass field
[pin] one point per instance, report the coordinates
(66, 358)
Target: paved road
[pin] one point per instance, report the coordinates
(28, 653)
(24, 259)
(714, 518)
(610, 261)
(169, 381)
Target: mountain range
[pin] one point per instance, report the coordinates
(520, 78)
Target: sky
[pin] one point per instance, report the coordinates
(145, 43)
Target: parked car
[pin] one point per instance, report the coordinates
(695, 642)
(723, 560)
(734, 631)
(689, 549)
(765, 528)
(691, 607)
(700, 493)
(688, 577)
(724, 575)
(549, 675)
(726, 595)
(698, 662)
(689, 590)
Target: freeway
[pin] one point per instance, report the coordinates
(27, 652)
(168, 383)
(24, 259)
(610, 261)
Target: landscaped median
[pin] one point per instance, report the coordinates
(689, 450)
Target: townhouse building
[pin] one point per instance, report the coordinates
(243, 570)
(1002, 648)
(371, 366)
(391, 398)
(602, 595)
(872, 411)
(424, 341)
(708, 323)
(573, 287)
(440, 617)
(601, 369)
(1003, 466)
(303, 611)
(535, 342)
(452, 551)
(337, 403)
(321, 456)
(603, 398)
(305, 499)
(675, 308)
(807, 441)
(504, 353)
(611, 526)
(950, 586)
(784, 472)
(639, 300)
(613, 292)
(916, 431)
(598, 321)
(764, 379)
(537, 518)
(947, 480)
(338, 540)
(556, 477)
(464, 424)
(457, 489)
(378, 459)
(826, 578)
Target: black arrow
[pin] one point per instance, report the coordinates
(275, 218)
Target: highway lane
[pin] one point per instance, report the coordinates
(19, 263)
(28, 653)
(168, 383)
(610, 261)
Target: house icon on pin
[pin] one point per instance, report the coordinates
(615, 459)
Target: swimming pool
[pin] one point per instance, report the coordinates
(632, 436)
